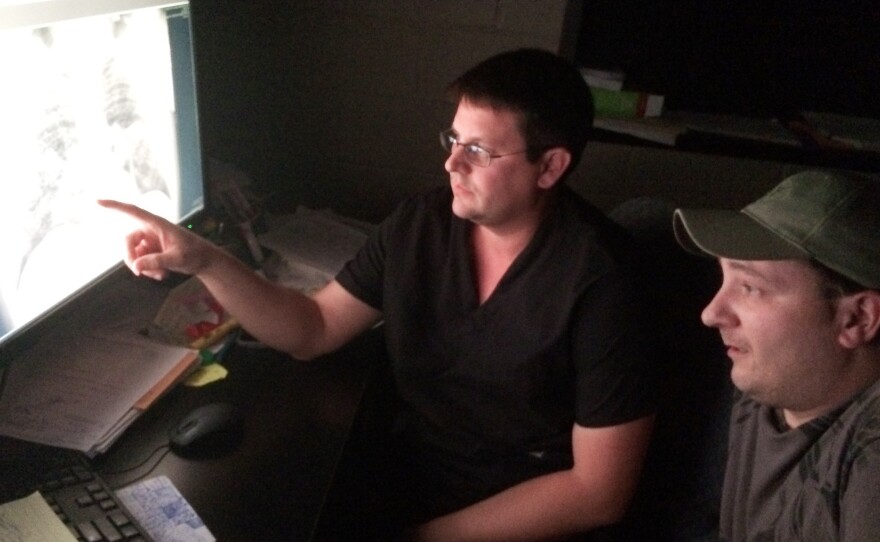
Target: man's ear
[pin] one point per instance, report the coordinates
(554, 163)
(860, 314)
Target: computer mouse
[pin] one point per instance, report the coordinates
(208, 430)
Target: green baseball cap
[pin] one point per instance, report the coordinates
(833, 218)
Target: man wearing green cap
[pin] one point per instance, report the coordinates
(799, 313)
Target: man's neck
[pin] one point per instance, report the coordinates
(496, 248)
(842, 396)
(512, 235)
(502, 243)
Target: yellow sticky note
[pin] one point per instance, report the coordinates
(206, 375)
(31, 520)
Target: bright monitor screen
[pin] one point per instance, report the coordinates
(97, 101)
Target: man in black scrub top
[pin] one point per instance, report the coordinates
(514, 328)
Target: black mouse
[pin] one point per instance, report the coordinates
(208, 430)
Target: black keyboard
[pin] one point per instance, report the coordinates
(74, 490)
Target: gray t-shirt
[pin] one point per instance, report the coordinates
(818, 482)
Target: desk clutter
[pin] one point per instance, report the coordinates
(304, 249)
(56, 495)
(84, 391)
(82, 384)
(308, 247)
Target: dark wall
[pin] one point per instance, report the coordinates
(766, 58)
(337, 103)
(241, 57)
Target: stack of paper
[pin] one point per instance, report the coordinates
(86, 382)
(313, 245)
(83, 393)
(91, 375)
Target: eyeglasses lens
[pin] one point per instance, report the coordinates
(447, 141)
(473, 154)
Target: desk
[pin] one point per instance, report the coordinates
(297, 419)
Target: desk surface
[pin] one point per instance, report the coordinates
(297, 420)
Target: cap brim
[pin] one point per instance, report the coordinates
(730, 234)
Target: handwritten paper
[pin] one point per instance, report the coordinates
(163, 512)
(82, 393)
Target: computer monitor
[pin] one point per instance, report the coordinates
(98, 100)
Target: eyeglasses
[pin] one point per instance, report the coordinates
(473, 153)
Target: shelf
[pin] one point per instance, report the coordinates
(740, 137)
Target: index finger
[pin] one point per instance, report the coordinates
(129, 209)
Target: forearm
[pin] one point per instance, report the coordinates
(596, 491)
(542, 508)
(279, 317)
(282, 318)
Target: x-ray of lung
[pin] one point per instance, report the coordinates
(86, 112)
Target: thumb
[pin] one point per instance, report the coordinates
(150, 265)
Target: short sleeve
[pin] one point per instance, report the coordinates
(859, 510)
(616, 368)
(362, 276)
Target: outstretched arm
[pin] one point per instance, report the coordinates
(280, 317)
(594, 492)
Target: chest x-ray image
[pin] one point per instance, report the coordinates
(87, 109)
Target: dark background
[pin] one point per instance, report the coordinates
(752, 58)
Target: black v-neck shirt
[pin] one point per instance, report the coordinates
(561, 340)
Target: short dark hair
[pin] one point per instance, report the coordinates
(834, 285)
(547, 90)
